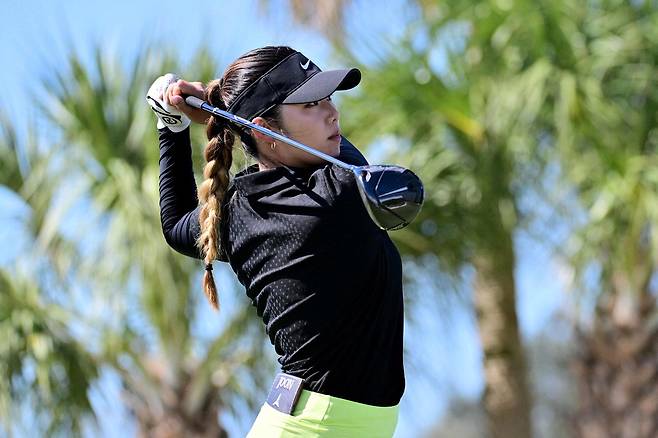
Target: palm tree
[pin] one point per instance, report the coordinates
(595, 103)
(170, 389)
(139, 300)
(466, 160)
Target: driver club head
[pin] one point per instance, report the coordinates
(392, 195)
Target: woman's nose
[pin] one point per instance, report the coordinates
(334, 114)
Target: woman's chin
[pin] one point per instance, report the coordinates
(334, 150)
(331, 150)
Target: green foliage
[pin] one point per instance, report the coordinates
(606, 108)
(42, 363)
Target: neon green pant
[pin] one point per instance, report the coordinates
(320, 415)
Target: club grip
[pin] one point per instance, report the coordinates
(194, 101)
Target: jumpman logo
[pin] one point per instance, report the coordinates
(276, 402)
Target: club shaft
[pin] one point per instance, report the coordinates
(198, 103)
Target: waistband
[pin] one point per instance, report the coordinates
(339, 408)
(288, 396)
(323, 416)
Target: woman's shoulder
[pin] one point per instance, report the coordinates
(340, 179)
(350, 154)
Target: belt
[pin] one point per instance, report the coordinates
(285, 392)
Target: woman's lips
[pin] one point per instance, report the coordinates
(335, 137)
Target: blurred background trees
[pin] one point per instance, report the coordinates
(122, 300)
(522, 118)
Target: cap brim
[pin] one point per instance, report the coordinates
(323, 84)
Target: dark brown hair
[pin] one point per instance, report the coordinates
(218, 152)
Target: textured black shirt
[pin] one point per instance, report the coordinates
(326, 281)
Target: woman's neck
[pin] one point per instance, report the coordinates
(268, 166)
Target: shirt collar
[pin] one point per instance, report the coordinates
(251, 181)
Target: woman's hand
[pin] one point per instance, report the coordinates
(168, 116)
(173, 96)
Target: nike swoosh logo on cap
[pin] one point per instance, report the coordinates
(305, 66)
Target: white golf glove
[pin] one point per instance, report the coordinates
(168, 115)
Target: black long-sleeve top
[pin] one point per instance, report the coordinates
(326, 281)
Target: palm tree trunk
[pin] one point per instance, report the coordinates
(617, 369)
(173, 422)
(507, 398)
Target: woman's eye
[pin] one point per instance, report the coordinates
(310, 104)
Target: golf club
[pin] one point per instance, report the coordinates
(392, 194)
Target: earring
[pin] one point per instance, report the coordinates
(273, 146)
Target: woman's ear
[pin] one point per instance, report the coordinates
(259, 136)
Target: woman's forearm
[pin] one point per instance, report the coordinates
(179, 214)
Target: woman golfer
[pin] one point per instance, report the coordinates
(325, 279)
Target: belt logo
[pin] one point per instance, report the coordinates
(285, 392)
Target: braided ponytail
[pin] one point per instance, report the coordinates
(219, 157)
(218, 152)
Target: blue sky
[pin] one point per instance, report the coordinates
(38, 34)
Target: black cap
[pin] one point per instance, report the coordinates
(295, 79)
